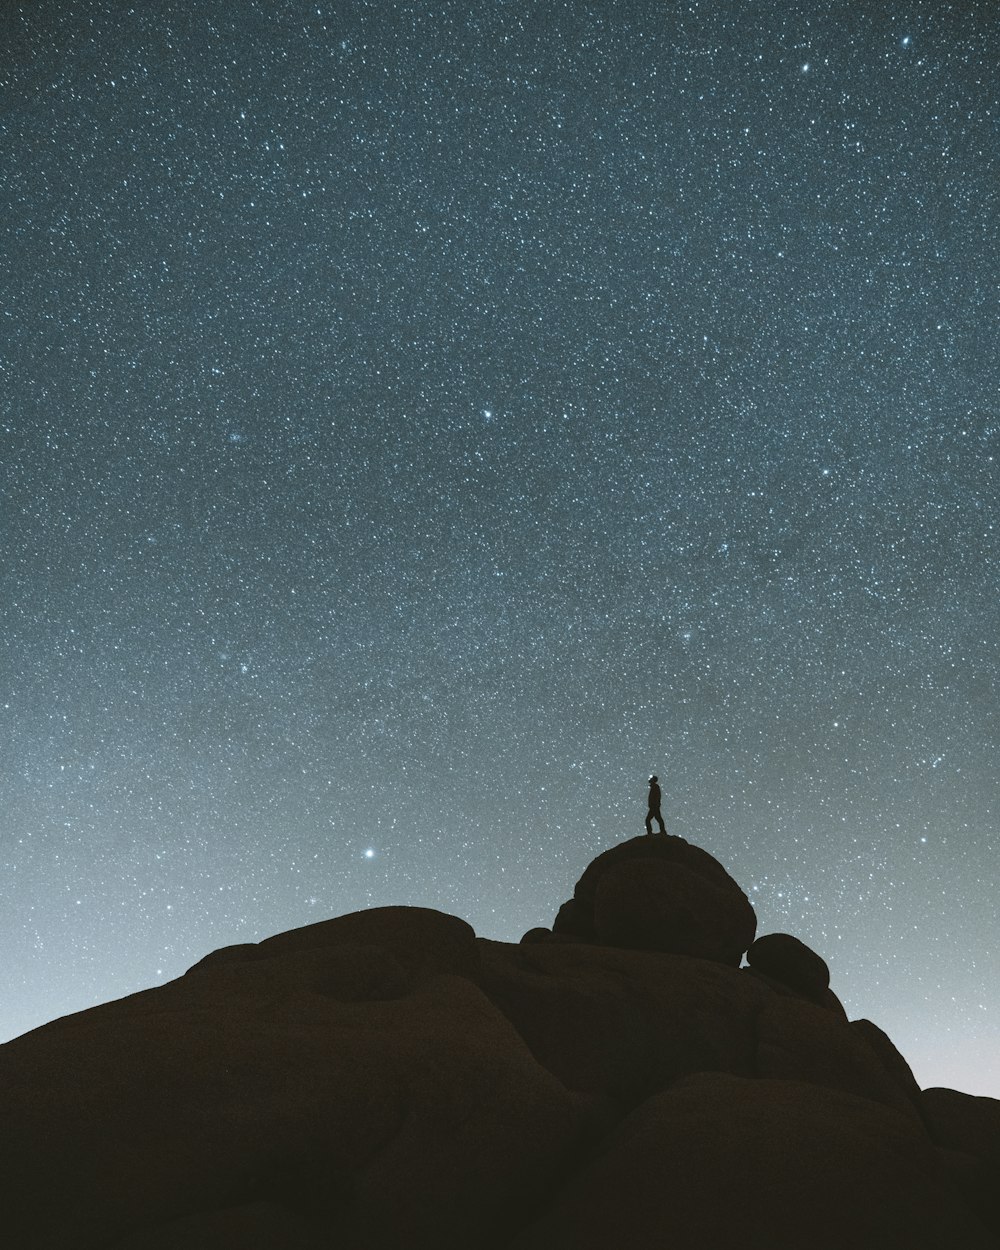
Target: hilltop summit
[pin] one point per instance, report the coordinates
(388, 1079)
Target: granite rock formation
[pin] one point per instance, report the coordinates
(660, 893)
(388, 1079)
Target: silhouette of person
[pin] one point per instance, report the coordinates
(654, 806)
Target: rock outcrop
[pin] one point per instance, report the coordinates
(387, 1079)
(660, 893)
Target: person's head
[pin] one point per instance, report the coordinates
(653, 779)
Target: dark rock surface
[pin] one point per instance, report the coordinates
(661, 893)
(960, 1121)
(718, 1161)
(967, 1131)
(387, 1079)
(786, 959)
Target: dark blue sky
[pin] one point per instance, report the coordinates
(421, 422)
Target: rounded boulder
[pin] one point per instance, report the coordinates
(660, 893)
(786, 959)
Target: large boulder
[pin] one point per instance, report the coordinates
(660, 893)
(333, 1085)
(718, 1161)
(619, 1024)
(884, 1049)
(419, 940)
(572, 922)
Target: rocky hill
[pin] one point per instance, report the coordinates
(388, 1079)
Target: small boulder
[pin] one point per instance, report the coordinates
(828, 999)
(786, 959)
(799, 1041)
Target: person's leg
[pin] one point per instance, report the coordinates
(663, 827)
(649, 822)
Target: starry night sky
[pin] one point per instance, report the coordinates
(420, 422)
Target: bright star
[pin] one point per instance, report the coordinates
(370, 853)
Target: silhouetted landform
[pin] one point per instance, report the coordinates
(386, 1079)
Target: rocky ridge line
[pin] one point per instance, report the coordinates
(387, 1078)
